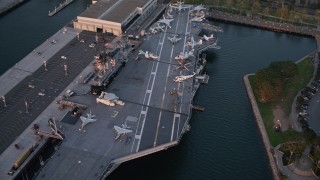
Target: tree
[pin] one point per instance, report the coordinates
(268, 84)
(256, 7)
(229, 3)
(271, 80)
(242, 5)
(284, 69)
(266, 11)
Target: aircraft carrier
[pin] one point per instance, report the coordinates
(145, 108)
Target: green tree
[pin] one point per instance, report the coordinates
(256, 8)
(270, 81)
(229, 3)
(266, 11)
(303, 15)
(284, 69)
(241, 5)
(268, 84)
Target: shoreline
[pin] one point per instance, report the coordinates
(257, 22)
(261, 127)
(273, 157)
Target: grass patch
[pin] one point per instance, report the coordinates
(296, 83)
(291, 89)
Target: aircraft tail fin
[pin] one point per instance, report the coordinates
(141, 52)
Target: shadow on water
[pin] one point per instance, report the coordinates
(212, 56)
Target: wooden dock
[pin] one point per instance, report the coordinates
(60, 7)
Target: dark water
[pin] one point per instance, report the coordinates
(224, 142)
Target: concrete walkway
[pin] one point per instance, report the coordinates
(261, 127)
(294, 115)
(300, 169)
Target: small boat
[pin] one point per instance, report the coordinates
(198, 108)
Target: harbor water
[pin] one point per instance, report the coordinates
(224, 142)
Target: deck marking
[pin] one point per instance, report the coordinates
(175, 116)
(181, 97)
(143, 119)
(114, 114)
(164, 90)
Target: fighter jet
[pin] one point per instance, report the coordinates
(86, 120)
(183, 65)
(148, 55)
(165, 21)
(186, 55)
(207, 38)
(179, 79)
(178, 6)
(191, 43)
(174, 39)
(169, 16)
(198, 8)
(121, 131)
(198, 19)
(157, 29)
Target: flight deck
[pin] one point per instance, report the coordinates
(156, 83)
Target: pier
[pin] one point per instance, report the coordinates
(59, 8)
(261, 23)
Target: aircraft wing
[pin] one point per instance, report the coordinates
(90, 115)
(174, 6)
(84, 119)
(141, 52)
(122, 130)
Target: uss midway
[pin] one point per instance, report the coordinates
(117, 86)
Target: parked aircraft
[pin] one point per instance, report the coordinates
(179, 7)
(86, 120)
(121, 131)
(207, 38)
(169, 16)
(198, 8)
(148, 55)
(193, 43)
(186, 55)
(157, 29)
(165, 21)
(183, 65)
(198, 19)
(174, 39)
(179, 79)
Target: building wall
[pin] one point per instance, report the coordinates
(145, 12)
(91, 24)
